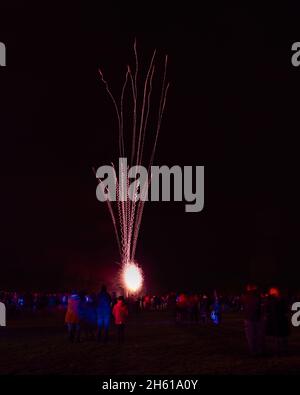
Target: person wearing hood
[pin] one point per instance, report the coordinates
(120, 313)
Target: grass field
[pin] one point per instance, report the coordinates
(154, 345)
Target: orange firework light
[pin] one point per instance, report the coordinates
(132, 277)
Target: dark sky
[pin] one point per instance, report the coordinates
(233, 107)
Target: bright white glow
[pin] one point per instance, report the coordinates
(132, 277)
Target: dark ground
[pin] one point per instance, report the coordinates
(154, 345)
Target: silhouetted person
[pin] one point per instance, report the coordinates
(251, 302)
(204, 309)
(277, 321)
(181, 307)
(137, 305)
(216, 313)
(114, 299)
(103, 313)
(72, 318)
(87, 316)
(120, 313)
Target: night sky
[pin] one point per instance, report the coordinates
(233, 107)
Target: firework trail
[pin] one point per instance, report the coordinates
(126, 213)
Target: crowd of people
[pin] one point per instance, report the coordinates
(90, 315)
(18, 302)
(85, 314)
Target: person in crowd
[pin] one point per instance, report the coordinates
(204, 309)
(120, 313)
(137, 305)
(103, 313)
(193, 308)
(114, 299)
(87, 316)
(253, 321)
(72, 318)
(216, 309)
(277, 321)
(147, 302)
(172, 306)
(181, 307)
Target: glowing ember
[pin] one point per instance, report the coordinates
(132, 277)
